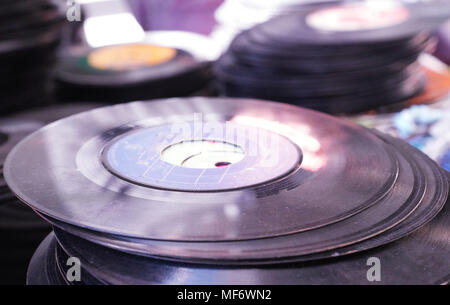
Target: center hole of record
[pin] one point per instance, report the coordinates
(202, 154)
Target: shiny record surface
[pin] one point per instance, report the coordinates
(307, 181)
(334, 154)
(247, 191)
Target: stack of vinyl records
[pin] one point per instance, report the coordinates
(29, 35)
(129, 72)
(21, 230)
(341, 58)
(230, 191)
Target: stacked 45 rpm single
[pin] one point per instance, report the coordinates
(130, 72)
(229, 191)
(29, 35)
(337, 58)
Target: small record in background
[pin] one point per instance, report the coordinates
(30, 32)
(21, 229)
(130, 72)
(337, 58)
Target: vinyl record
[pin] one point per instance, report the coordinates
(225, 182)
(130, 72)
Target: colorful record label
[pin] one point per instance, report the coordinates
(358, 17)
(127, 57)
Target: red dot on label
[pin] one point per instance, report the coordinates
(222, 164)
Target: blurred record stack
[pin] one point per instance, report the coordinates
(30, 31)
(128, 72)
(339, 58)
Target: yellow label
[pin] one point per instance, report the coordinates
(127, 57)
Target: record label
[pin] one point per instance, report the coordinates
(127, 57)
(176, 157)
(358, 17)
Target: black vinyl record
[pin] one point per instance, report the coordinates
(222, 182)
(130, 72)
(356, 23)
